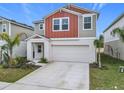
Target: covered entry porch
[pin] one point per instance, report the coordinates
(38, 47)
(37, 50)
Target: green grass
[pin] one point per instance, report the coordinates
(13, 74)
(107, 78)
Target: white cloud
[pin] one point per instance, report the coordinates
(98, 6)
(27, 12)
(101, 6)
(26, 9)
(94, 6)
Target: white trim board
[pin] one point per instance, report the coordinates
(73, 38)
(34, 36)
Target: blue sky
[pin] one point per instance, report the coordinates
(26, 13)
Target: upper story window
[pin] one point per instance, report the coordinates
(61, 24)
(65, 24)
(87, 22)
(41, 26)
(4, 28)
(56, 24)
(112, 34)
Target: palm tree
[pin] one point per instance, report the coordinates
(10, 43)
(120, 32)
(99, 44)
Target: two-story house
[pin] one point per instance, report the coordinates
(12, 27)
(113, 43)
(66, 34)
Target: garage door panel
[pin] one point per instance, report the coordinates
(70, 53)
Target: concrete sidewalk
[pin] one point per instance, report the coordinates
(4, 85)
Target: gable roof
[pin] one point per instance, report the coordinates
(114, 22)
(78, 9)
(72, 8)
(17, 23)
(38, 21)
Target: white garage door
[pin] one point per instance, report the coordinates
(71, 53)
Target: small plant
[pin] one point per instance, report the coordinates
(5, 66)
(43, 60)
(5, 60)
(20, 61)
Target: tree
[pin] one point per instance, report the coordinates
(10, 43)
(99, 43)
(120, 32)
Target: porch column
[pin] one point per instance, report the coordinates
(29, 51)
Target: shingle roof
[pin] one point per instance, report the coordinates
(69, 7)
(17, 23)
(78, 9)
(38, 21)
(115, 21)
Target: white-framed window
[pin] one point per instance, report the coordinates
(65, 24)
(87, 22)
(4, 28)
(41, 26)
(61, 24)
(56, 24)
(112, 34)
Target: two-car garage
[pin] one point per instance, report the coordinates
(70, 53)
(73, 52)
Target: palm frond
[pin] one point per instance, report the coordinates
(117, 30)
(23, 34)
(101, 37)
(120, 32)
(16, 40)
(96, 43)
(5, 37)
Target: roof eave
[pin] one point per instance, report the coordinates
(115, 21)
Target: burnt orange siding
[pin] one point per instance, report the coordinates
(73, 27)
(73, 8)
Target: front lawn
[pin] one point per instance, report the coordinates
(13, 74)
(108, 78)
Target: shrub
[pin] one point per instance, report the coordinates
(30, 66)
(20, 61)
(5, 60)
(5, 65)
(43, 60)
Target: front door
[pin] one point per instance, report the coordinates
(38, 51)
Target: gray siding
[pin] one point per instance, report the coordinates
(116, 45)
(87, 33)
(7, 24)
(37, 30)
(15, 29)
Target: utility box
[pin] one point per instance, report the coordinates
(121, 69)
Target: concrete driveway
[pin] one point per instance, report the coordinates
(56, 75)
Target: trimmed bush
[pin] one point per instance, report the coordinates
(43, 60)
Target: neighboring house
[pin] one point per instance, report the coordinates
(67, 34)
(11, 27)
(113, 45)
